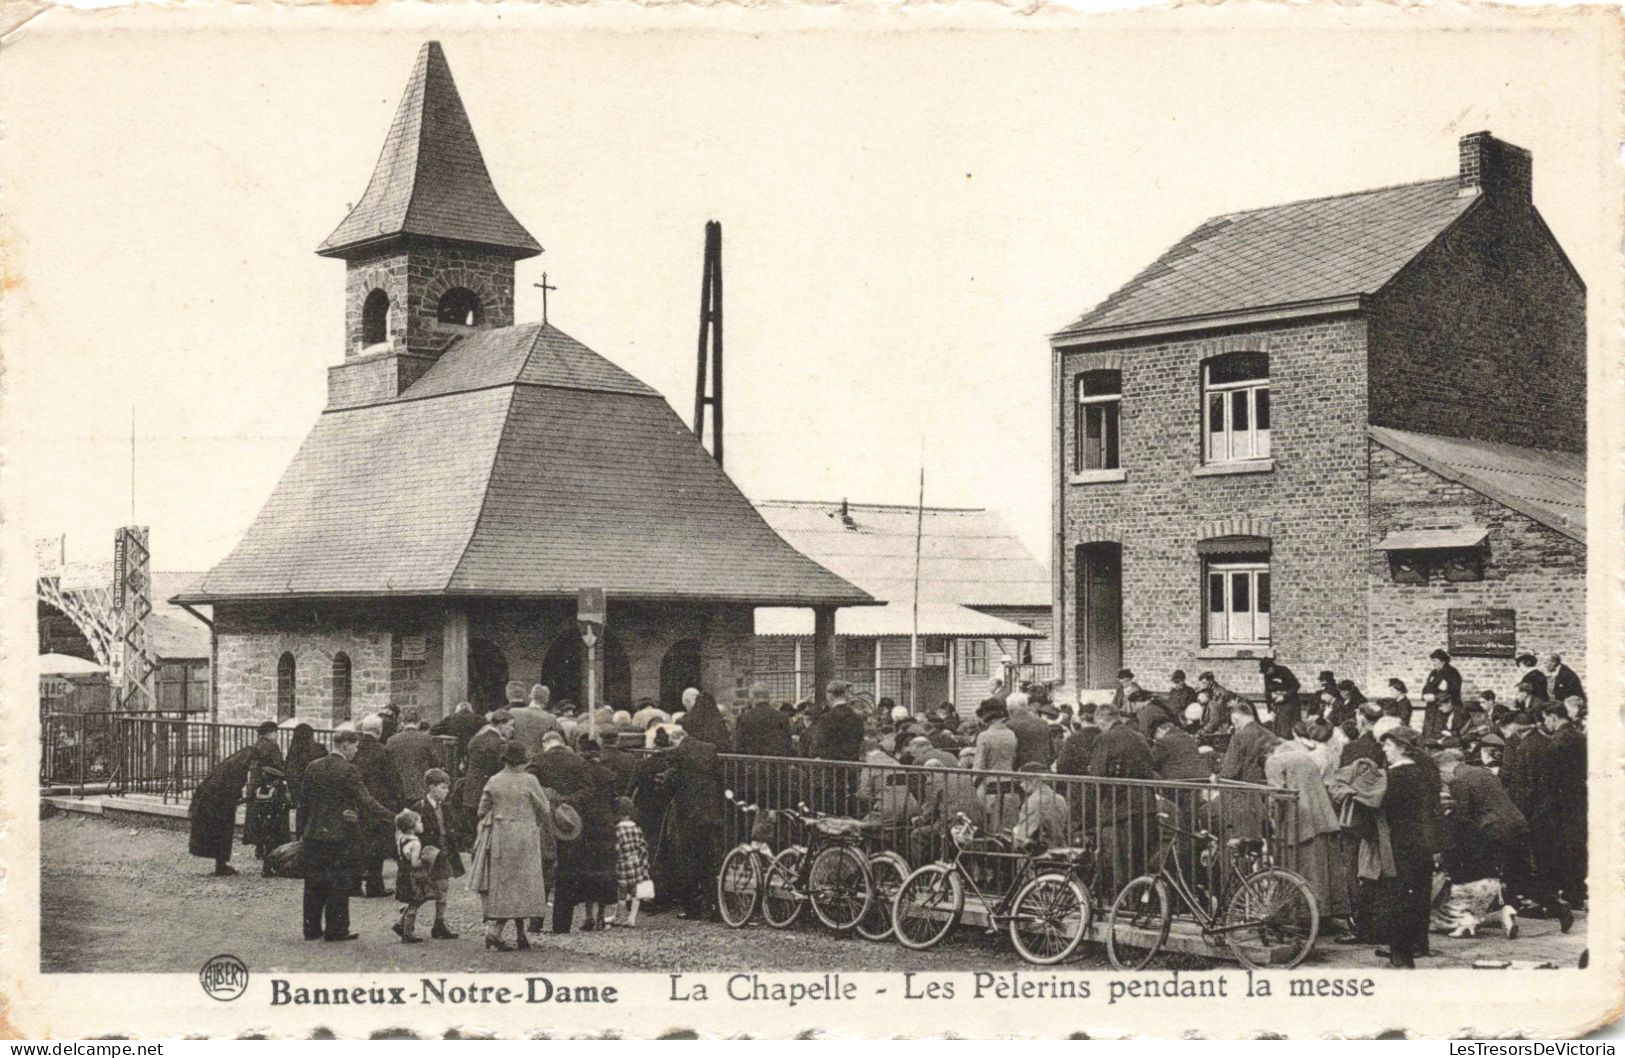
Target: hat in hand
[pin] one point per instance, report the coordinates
(566, 822)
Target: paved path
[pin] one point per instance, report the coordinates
(123, 898)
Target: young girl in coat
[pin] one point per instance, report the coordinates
(412, 886)
(631, 864)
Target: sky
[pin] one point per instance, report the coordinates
(906, 216)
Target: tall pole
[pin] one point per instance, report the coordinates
(710, 342)
(132, 464)
(919, 534)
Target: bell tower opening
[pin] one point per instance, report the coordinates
(375, 318)
(459, 306)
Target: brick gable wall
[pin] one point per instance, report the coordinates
(1483, 335)
(1535, 570)
(1314, 500)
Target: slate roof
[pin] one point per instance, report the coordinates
(430, 179)
(968, 558)
(1302, 252)
(521, 465)
(1541, 483)
(175, 634)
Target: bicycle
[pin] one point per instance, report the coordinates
(1271, 907)
(887, 872)
(1046, 909)
(739, 880)
(827, 872)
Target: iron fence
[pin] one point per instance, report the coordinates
(79, 750)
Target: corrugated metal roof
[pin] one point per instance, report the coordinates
(1541, 483)
(431, 179)
(893, 619)
(969, 557)
(1317, 250)
(504, 478)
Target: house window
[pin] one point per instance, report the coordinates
(975, 656)
(1100, 403)
(1236, 407)
(284, 687)
(1238, 600)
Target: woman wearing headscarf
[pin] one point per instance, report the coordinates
(704, 722)
(1293, 766)
(302, 750)
(507, 860)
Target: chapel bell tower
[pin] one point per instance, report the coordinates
(429, 249)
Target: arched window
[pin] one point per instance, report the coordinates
(341, 687)
(1236, 407)
(375, 318)
(679, 670)
(284, 686)
(459, 305)
(487, 674)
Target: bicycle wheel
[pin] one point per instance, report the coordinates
(838, 887)
(1272, 920)
(739, 886)
(1049, 917)
(1138, 925)
(782, 900)
(887, 871)
(927, 906)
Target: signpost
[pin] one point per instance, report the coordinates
(1482, 632)
(591, 612)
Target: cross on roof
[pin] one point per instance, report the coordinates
(544, 286)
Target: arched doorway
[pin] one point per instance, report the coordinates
(563, 675)
(487, 675)
(679, 670)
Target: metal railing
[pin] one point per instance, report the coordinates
(910, 810)
(79, 750)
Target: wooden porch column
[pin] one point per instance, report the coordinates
(453, 661)
(823, 652)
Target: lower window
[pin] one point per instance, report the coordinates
(1238, 600)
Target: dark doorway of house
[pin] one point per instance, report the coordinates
(563, 671)
(487, 675)
(679, 670)
(1100, 613)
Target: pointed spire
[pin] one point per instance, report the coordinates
(430, 179)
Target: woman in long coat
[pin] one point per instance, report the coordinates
(652, 796)
(587, 864)
(302, 750)
(695, 778)
(215, 801)
(507, 868)
(1292, 765)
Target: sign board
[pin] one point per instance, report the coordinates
(121, 553)
(48, 552)
(1482, 632)
(591, 606)
(414, 647)
(86, 576)
(54, 687)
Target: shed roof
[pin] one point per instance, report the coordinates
(895, 619)
(1302, 252)
(521, 465)
(968, 556)
(430, 179)
(1540, 483)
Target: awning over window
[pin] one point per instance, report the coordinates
(1432, 539)
(1233, 545)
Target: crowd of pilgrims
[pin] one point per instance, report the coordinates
(1440, 815)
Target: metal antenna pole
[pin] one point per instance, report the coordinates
(710, 335)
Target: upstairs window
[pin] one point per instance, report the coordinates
(1236, 408)
(1099, 414)
(460, 306)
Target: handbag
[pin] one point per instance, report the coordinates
(645, 889)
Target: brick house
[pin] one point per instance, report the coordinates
(983, 597)
(1340, 432)
(470, 475)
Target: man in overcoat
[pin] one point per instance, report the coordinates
(1123, 816)
(384, 783)
(338, 802)
(1281, 690)
(412, 751)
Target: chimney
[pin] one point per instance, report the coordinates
(1494, 167)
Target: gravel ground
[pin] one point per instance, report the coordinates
(117, 898)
